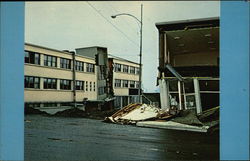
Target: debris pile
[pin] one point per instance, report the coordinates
(150, 116)
(30, 111)
(73, 112)
(133, 113)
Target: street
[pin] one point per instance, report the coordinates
(58, 138)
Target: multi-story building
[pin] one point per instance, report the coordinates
(124, 81)
(57, 78)
(51, 75)
(189, 64)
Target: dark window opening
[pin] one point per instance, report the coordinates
(49, 83)
(50, 61)
(79, 66)
(31, 82)
(65, 84)
(65, 63)
(90, 67)
(79, 85)
(32, 57)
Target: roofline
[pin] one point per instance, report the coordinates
(181, 24)
(65, 52)
(92, 47)
(122, 59)
(48, 48)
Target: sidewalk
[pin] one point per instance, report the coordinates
(172, 125)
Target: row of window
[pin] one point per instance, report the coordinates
(51, 61)
(126, 83)
(51, 83)
(126, 69)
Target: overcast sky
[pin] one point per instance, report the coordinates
(70, 25)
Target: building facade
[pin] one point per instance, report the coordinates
(52, 78)
(55, 78)
(124, 79)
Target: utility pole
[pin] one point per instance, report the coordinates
(140, 55)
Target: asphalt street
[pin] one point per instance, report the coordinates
(58, 138)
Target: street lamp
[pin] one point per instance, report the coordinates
(140, 64)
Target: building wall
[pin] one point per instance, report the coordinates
(121, 93)
(124, 91)
(58, 95)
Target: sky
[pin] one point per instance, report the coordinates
(68, 25)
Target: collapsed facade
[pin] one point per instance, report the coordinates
(188, 74)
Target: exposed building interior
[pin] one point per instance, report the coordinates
(189, 64)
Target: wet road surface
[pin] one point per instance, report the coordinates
(56, 138)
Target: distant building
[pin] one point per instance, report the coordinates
(124, 81)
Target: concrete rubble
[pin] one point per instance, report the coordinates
(144, 115)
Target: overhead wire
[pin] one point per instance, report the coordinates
(133, 42)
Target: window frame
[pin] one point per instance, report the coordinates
(65, 84)
(65, 63)
(31, 57)
(50, 61)
(49, 83)
(33, 82)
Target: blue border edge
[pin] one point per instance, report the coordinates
(11, 81)
(234, 133)
(234, 98)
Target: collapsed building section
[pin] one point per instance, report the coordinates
(189, 64)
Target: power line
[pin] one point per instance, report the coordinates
(112, 24)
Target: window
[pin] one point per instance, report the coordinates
(117, 83)
(90, 67)
(137, 71)
(50, 61)
(65, 84)
(49, 83)
(94, 87)
(31, 82)
(79, 85)
(125, 83)
(90, 86)
(79, 66)
(137, 83)
(65, 63)
(125, 69)
(101, 90)
(118, 67)
(132, 84)
(86, 85)
(32, 57)
(132, 70)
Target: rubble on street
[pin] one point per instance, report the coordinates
(150, 116)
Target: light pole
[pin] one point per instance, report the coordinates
(140, 64)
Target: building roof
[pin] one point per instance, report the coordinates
(62, 51)
(66, 52)
(191, 23)
(122, 59)
(191, 36)
(92, 47)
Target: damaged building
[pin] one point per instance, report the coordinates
(188, 75)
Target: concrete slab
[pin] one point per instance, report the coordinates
(172, 125)
(53, 110)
